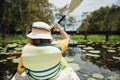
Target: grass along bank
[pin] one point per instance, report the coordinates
(96, 38)
(14, 38)
(79, 38)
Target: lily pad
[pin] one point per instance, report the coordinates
(74, 66)
(12, 45)
(16, 60)
(83, 51)
(89, 42)
(81, 46)
(116, 58)
(91, 79)
(88, 48)
(105, 47)
(93, 55)
(69, 59)
(3, 60)
(118, 48)
(99, 76)
(1, 48)
(114, 78)
(94, 51)
(111, 51)
(18, 49)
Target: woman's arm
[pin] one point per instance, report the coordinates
(20, 68)
(62, 43)
(62, 32)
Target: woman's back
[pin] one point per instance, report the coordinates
(46, 56)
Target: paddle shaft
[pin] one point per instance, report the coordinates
(74, 4)
(59, 21)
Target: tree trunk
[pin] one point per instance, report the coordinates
(85, 38)
(107, 36)
(3, 35)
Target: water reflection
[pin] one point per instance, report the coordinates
(7, 69)
(92, 67)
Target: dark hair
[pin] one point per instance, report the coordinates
(39, 41)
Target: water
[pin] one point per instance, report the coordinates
(92, 68)
(104, 67)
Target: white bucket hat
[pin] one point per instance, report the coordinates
(40, 30)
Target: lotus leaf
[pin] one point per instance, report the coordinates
(74, 66)
(69, 59)
(116, 58)
(91, 79)
(114, 78)
(92, 55)
(112, 51)
(18, 49)
(94, 51)
(81, 46)
(16, 60)
(88, 48)
(97, 75)
(12, 45)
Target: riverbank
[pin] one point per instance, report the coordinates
(96, 38)
(79, 38)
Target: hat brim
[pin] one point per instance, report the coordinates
(36, 35)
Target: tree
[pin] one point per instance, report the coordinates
(67, 21)
(71, 21)
(85, 25)
(18, 15)
(106, 19)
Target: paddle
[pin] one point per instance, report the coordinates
(73, 5)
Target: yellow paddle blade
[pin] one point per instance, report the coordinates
(73, 4)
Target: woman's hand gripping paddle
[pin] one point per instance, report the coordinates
(73, 5)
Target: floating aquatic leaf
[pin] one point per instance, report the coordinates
(114, 78)
(116, 58)
(18, 49)
(16, 60)
(88, 48)
(112, 51)
(91, 79)
(97, 75)
(109, 59)
(12, 45)
(94, 51)
(74, 66)
(83, 51)
(3, 60)
(89, 42)
(10, 58)
(1, 48)
(81, 46)
(92, 55)
(118, 48)
(69, 59)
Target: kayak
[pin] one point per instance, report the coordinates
(67, 73)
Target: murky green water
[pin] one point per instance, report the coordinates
(97, 62)
(94, 62)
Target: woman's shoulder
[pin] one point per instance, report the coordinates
(63, 44)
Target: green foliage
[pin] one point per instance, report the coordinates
(114, 78)
(99, 76)
(12, 45)
(103, 19)
(15, 38)
(18, 15)
(96, 38)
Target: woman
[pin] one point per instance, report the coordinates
(42, 59)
